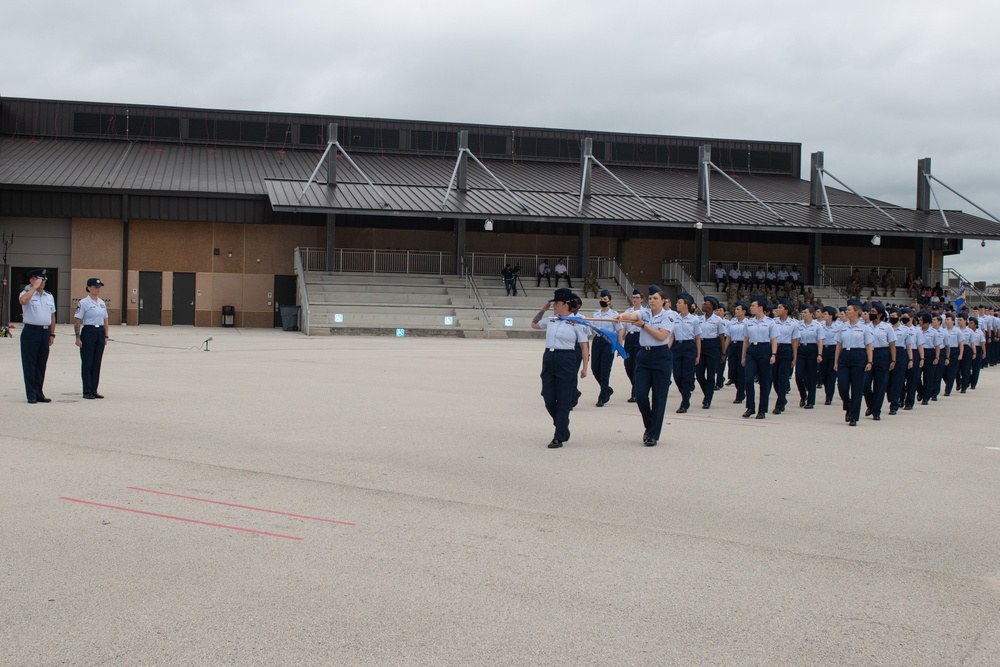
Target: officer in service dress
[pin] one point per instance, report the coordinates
(853, 359)
(38, 334)
(560, 362)
(91, 325)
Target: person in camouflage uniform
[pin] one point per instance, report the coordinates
(731, 295)
(873, 281)
(888, 283)
(590, 284)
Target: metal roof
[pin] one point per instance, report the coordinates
(415, 186)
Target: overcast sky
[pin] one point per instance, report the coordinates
(875, 85)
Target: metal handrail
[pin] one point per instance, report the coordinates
(981, 295)
(470, 283)
(676, 272)
(622, 278)
(301, 291)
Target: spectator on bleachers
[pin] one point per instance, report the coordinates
(509, 275)
(747, 276)
(590, 284)
(734, 274)
(908, 284)
(759, 278)
(721, 278)
(544, 272)
(888, 283)
(796, 279)
(873, 281)
(562, 271)
(782, 274)
(771, 278)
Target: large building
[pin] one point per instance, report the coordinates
(182, 211)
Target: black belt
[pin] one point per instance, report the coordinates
(653, 347)
(552, 349)
(36, 326)
(99, 326)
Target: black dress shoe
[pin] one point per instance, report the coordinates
(748, 413)
(600, 404)
(933, 398)
(32, 400)
(96, 395)
(761, 415)
(908, 407)
(847, 416)
(923, 402)
(962, 392)
(555, 444)
(681, 411)
(777, 411)
(868, 412)
(649, 442)
(706, 405)
(729, 383)
(877, 417)
(736, 400)
(631, 399)
(802, 403)
(827, 402)
(853, 422)
(893, 411)
(947, 393)
(43, 399)
(809, 406)
(89, 396)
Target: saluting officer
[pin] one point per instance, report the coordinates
(760, 349)
(713, 334)
(853, 359)
(560, 362)
(883, 361)
(810, 354)
(788, 349)
(653, 362)
(91, 324)
(602, 353)
(629, 338)
(686, 349)
(38, 334)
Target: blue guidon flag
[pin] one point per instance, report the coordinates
(962, 296)
(610, 337)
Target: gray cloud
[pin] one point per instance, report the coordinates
(874, 85)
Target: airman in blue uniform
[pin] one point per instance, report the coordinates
(810, 355)
(788, 348)
(560, 362)
(883, 361)
(38, 334)
(91, 326)
(686, 349)
(629, 338)
(713, 334)
(760, 349)
(853, 359)
(602, 355)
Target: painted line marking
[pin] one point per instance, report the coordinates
(179, 518)
(996, 448)
(242, 507)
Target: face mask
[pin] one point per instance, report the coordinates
(893, 319)
(906, 320)
(604, 304)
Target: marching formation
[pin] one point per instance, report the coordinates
(872, 356)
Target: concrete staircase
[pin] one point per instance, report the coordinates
(379, 304)
(828, 295)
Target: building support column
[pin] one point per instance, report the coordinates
(923, 258)
(813, 273)
(701, 261)
(460, 234)
(584, 250)
(124, 302)
(331, 237)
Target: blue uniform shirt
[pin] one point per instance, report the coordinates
(883, 335)
(659, 321)
(39, 309)
(606, 326)
(737, 328)
(811, 333)
(759, 331)
(629, 327)
(853, 337)
(91, 312)
(563, 334)
(830, 332)
(687, 328)
(712, 326)
(787, 330)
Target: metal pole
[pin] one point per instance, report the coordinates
(963, 197)
(712, 165)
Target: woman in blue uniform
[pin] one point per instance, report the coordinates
(629, 338)
(560, 362)
(760, 349)
(91, 324)
(978, 341)
(852, 360)
(602, 353)
(788, 350)
(883, 361)
(653, 362)
(827, 374)
(686, 350)
(713, 334)
(38, 334)
(810, 354)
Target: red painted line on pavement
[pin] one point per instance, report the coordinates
(242, 507)
(179, 518)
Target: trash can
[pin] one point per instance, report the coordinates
(229, 316)
(289, 318)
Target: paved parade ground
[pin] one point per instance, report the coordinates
(285, 500)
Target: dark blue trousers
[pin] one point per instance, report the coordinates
(653, 366)
(684, 354)
(913, 381)
(758, 367)
(877, 381)
(736, 370)
(827, 375)
(708, 367)
(602, 356)
(806, 371)
(851, 380)
(34, 357)
(965, 368)
(897, 380)
(976, 367)
(631, 345)
(559, 369)
(91, 355)
(951, 370)
(783, 375)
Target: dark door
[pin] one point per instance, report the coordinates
(19, 280)
(284, 295)
(184, 298)
(150, 297)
